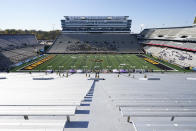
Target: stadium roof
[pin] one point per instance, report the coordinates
(96, 17)
(172, 27)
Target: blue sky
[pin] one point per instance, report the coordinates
(46, 14)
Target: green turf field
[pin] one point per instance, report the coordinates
(95, 61)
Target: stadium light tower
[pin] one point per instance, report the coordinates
(53, 27)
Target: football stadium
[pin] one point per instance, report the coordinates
(98, 76)
(87, 44)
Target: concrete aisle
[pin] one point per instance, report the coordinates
(101, 115)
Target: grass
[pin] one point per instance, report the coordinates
(23, 65)
(92, 61)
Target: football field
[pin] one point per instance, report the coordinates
(92, 62)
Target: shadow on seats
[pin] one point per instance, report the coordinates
(4, 62)
(77, 124)
(84, 104)
(82, 112)
(88, 97)
(87, 100)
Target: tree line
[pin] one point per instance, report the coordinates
(41, 35)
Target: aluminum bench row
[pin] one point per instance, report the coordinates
(37, 110)
(40, 103)
(155, 104)
(32, 125)
(164, 126)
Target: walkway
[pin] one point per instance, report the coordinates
(100, 115)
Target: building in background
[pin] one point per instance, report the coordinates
(96, 24)
(93, 34)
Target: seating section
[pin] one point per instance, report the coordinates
(189, 46)
(174, 56)
(178, 44)
(180, 33)
(95, 42)
(4, 62)
(8, 42)
(11, 57)
(21, 54)
(43, 105)
(16, 48)
(180, 38)
(168, 104)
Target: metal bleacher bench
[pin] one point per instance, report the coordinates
(171, 114)
(155, 104)
(32, 125)
(38, 111)
(52, 102)
(164, 126)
